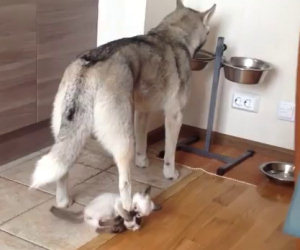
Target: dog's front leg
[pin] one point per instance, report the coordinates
(173, 121)
(124, 164)
(141, 120)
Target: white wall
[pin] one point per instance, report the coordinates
(156, 10)
(257, 28)
(120, 18)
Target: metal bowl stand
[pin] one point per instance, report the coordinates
(184, 145)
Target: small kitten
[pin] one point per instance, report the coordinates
(106, 213)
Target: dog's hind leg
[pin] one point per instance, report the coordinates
(55, 165)
(114, 128)
(62, 193)
(141, 120)
(72, 122)
(173, 122)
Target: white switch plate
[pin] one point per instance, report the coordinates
(286, 111)
(245, 101)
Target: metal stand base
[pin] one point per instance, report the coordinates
(230, 161)
(184, 145)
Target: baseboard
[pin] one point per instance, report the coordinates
(223, 139)
(35, 137)
(25, 141)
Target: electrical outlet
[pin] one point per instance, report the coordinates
(245, 101)
(286, 111)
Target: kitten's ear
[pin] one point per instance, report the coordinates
(156, 207)
(147, 191)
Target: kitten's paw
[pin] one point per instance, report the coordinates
(170, 173)
(64, 203)
(141, 161)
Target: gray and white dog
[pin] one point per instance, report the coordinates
(104, 88)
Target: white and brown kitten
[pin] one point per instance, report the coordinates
(106, 213)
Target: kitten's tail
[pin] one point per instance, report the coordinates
(74, 217)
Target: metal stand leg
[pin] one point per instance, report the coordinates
(214, 91)
(223, 169)
(184, 145)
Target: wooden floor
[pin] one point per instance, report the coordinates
(246, 171)
(208, 212)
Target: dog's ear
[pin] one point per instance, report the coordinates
(208, 14)
(179, 4)
(147, 191)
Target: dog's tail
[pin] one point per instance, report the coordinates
(72, 121)
(74, 217)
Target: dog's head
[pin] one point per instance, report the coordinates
(192, 24)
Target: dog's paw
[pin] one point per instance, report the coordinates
(170, 173)
(64, 203)
(141, 161)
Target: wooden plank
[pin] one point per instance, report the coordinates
(17, 64)
(16, 117)
(65, 29)
(19, 142)
(188, 245)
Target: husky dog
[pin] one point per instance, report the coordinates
(106, 214)
(103, 88)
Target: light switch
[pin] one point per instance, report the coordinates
(286, 111)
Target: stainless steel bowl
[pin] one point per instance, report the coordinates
(200, 59)
(280, 171)
(245, 70)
